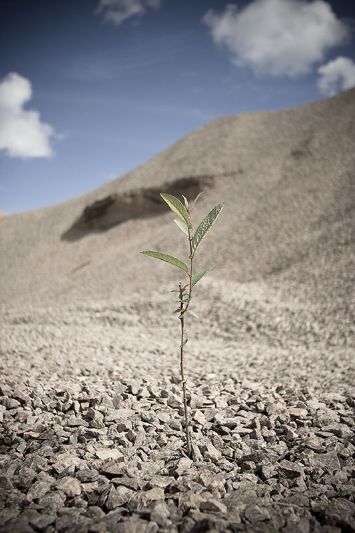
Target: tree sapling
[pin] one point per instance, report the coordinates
(184, 222)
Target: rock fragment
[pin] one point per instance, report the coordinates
(70, 486)
(213, 506)
(291, 470)
(38, 490)
(298, 412)
(109, 453)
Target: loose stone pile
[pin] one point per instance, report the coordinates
(87, 444)
(97, 458)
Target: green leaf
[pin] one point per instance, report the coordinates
(168, 258)
(193, 314)
(196, 277)
(205, 225)
(176, 206)
(182, 225)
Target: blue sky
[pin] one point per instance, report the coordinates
(90, 89)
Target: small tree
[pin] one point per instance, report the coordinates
(184, 290)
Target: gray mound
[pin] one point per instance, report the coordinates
(287, 179)
(91, 434)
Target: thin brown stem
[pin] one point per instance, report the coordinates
(182, 370)
(183, 310)
(190, 273)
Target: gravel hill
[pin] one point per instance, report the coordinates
(91, 435)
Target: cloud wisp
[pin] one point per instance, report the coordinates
(338, 74)
(22, 134)
(117, 11)
(278, 37)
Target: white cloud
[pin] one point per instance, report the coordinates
(117, 11)
(337, 75)
(22, 134)
(278, 37)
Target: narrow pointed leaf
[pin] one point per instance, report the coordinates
(176, 206)
(168, 259)
(193, 314)
(196, 277)
(205, 225)
(186, 202)
(182, 225)
(197, 197)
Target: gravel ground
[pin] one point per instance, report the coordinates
(92, 436)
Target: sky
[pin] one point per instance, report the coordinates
(90, 89)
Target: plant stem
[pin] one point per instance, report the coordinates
(182, 371)
(190, 273)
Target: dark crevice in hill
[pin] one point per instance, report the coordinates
(114, 209)
(303, 149)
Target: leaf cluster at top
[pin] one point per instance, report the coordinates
(184, 223)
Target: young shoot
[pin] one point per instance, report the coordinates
(185, 286)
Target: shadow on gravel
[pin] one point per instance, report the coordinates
(114, 209)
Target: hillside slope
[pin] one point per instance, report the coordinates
(287, 179)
